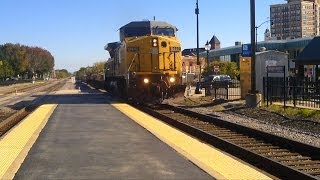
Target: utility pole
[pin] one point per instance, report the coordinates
(253, 98)
(253, 46)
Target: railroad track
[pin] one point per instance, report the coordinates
(11, 121)
(281, 157)
(24, 88)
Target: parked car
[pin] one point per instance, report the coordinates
(216, 81)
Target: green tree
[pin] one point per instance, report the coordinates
(92, 72)
(225, 67)
(63, 73)
(6, 70)
(81, 73)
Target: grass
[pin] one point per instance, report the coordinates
(292, 112)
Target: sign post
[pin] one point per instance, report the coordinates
(277, 69)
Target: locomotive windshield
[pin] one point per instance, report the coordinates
(163, 31)
(136, 31)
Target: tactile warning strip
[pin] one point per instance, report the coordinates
(15, 145)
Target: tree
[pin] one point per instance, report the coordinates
(22, 59)
(63, 73)
(225, 67)
(98, 67)
(6, 69)
(81, 73)
(95, 72)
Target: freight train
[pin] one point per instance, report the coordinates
(145, 65)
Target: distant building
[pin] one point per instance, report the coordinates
(190, 68)
(295, 19)
(215, 43)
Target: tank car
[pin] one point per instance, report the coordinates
(146, 63)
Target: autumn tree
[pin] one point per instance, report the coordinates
(20, 60)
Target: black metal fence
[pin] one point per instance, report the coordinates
(229, 91)
(292, 91)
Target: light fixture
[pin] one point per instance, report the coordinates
(146, 80)
(172, 79)
(207, 46)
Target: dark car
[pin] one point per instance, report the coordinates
(216, 81)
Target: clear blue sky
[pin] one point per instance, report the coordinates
(75, 31)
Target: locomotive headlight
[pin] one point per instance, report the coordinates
(154, 42)
(146, 80)
(172, 79)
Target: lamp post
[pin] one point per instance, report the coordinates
(197, 91)
(256, 28)
(207, 47)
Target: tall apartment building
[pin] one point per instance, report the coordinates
(295, 19)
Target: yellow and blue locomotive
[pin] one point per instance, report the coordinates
(146, 63)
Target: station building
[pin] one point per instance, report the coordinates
(292, 47)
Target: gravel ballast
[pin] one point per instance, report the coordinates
(304, 131)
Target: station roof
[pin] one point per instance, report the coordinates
(311, 53)
(279, 45)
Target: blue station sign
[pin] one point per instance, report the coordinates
(246, 50)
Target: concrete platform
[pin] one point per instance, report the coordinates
(90, 136)
(96, 141)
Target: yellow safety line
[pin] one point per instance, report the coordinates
(213, 161)
(15, 145)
